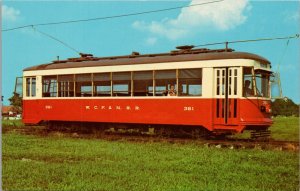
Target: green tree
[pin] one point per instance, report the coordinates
(285, 108)
(16, 102)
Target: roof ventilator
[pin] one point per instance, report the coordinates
(185, 49)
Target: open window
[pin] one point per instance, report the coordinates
(102, 84)
(143, 83)
(121, 83)
(66, 86)
(83, 85)
(49, 86)
(164, 79)
(190, 82)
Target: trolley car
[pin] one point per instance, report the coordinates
(220, 90)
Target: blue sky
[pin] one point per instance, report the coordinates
(150, 33)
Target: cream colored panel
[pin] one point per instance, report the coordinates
(39, 86)
(240, 83)
(207, 82)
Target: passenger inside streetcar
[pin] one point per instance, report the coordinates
(247, 90)
(172, 91)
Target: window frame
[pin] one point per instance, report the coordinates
(50, 85)
(110, 84)
(30, 87)
(66, 87)
(190, 81)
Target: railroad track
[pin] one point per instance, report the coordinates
(229, 143)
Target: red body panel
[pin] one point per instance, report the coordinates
(176, 111)
(251, 114)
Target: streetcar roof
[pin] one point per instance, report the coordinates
(87, 60)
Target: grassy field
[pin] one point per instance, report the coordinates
(12, 123)
(62, 163)
(285, 128)
(55, 163)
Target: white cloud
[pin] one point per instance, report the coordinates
(159, 28)
(222, 16)
(151, 40)
(293, 16)
(10, 13)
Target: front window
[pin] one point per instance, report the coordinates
(256, 83)
(248, 82)
(262, 83)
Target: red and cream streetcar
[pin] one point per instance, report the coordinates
(222, 91)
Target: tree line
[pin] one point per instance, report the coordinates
(284, 107)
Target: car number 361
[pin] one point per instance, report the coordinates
(189, 108)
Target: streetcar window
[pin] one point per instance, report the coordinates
(102, 84)
(49, 86)
(232, 81)
(143, 83)
(83, 85)
(121, 84)
(33, 87)
(66, 86)
(163, 80)
(248, 85)
(261, 87)
(30, 87)
(262, 84)
(235, 74)
(190, 82)
(219, 79)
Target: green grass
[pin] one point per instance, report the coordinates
(55, 163)
(12, 123)
(285, 128)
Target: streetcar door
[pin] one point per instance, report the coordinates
(226, 94)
